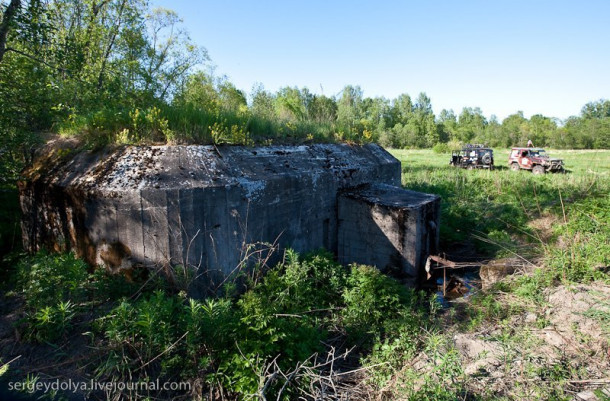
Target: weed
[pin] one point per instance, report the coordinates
(602, 315)
(48, 279)
(440, 378)
(4, 367)
(484, 307)
(49, 323)
(371, 299)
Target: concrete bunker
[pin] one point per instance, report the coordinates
(200, 207)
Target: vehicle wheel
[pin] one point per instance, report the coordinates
(486, 159)
(514, 166)
(538, 169)
(470, 167)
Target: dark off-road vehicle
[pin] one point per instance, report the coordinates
(534, 159)
(473, 156)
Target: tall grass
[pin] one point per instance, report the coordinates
(195, 125)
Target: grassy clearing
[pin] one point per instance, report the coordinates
(502, 211)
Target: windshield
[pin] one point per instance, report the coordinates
(539, 153)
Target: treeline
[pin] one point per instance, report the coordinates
(115, 71)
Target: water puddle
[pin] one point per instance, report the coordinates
(450, 281)
(455, 284)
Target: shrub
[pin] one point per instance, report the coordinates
(49, 323)
(441, 148)
(48, 279)
(371, 298)
(282, 317)
(148, 126)
(140, 330)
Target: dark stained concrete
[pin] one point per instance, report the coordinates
(200, 208)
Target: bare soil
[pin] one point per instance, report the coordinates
(569, 336)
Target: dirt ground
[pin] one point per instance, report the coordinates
(566, 341)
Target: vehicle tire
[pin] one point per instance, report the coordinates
(514, 166)
(486, 159)
(470, 167)
(538, 169)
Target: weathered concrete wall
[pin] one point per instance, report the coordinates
(388, 227)
(195, 206)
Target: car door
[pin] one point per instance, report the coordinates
(524, 159)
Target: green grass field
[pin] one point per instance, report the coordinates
(595, 162)
(504, 207)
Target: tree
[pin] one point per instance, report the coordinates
(170, 54)
(402, 109)
(599, 109)
(493, 133)
(471, 124)
(322, 109)
(516, 130)
(7, 20)
(262, 102)
(423, 104)
(349, 109)
(231, 99)
(291, 104)
(199, 91)
(427, 132)
(447, 125)
(541, 129)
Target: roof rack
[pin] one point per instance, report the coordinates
(476, 145)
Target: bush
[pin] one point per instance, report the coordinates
(286, 317)
(140, 330)
(281, 319)
(49, 323)
(441, 148)
(371, 298)
(50, 285)
(48, 279)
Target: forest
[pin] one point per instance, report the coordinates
(117, 71)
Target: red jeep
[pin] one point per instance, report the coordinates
(534, 159)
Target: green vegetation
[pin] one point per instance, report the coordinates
(281, 322)
(556, 228)
(118, 72)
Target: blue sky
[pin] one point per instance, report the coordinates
(539, 57)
